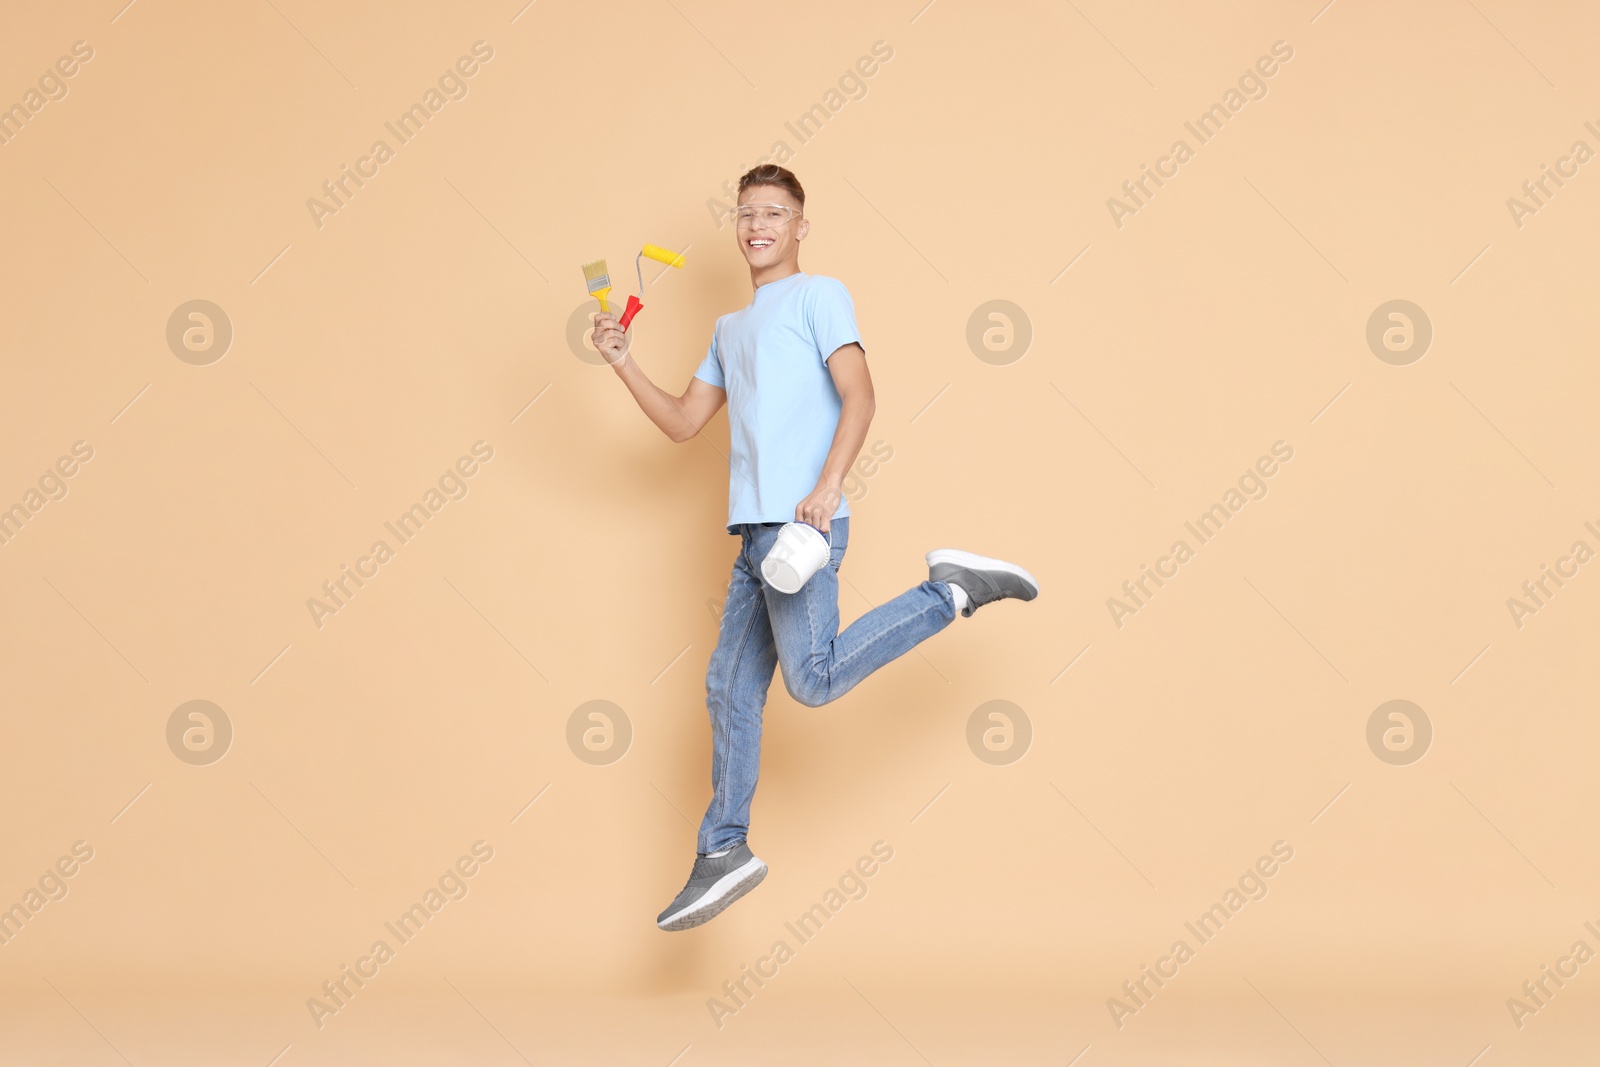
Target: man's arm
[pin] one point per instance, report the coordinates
(848, 365)
(679, 417)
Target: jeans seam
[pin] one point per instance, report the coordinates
(890, 629)
(811, 642)
(721, 799)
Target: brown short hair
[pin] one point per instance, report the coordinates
(772, 174)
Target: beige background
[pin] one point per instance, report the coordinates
(587, 559)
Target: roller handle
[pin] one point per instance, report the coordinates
(635, 305)
(663, 255)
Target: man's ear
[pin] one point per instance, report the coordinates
(801, 230)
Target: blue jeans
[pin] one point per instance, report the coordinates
(763, 629)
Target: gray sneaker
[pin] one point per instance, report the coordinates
(983, 579)
(715, 882)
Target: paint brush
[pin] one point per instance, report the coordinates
(599, 282)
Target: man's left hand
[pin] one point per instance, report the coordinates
(818, 508)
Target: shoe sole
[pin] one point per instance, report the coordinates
(727, 889)
(973, 561)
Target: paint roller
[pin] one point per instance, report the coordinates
(660, 255)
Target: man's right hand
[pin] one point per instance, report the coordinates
(609, 338)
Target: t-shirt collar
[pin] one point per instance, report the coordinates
(780, 283)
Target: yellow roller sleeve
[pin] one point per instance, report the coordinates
(663, 255)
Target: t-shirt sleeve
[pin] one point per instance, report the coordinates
(833, 317)
(711, 367)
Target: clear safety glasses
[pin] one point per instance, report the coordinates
(774, 216)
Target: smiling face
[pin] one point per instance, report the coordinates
(771, 240)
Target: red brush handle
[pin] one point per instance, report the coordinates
(635, 305)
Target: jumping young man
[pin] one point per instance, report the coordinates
(793, 371)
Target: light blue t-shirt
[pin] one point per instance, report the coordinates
(771, 358)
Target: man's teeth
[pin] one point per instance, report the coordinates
(760, 243)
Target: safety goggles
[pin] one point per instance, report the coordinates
(746, 216)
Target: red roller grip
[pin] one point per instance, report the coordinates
(634, 307)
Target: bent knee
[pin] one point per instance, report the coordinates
(811, 696)
(809, 689)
